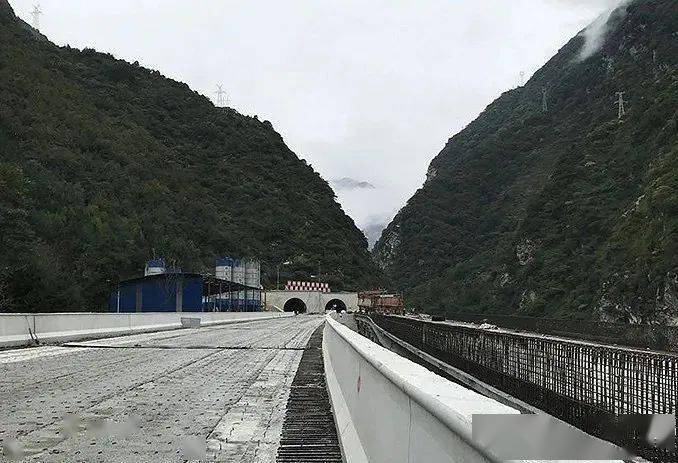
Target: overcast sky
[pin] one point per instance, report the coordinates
(367, 89)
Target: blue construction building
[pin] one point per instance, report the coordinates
(163, 292)
(164, 289)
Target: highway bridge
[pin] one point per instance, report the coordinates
(219, 391)
(306, 388)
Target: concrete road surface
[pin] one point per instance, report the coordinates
(209, 394)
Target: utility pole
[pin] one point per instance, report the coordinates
(620, 103)
(544, 100)
(36, 16)
(221, 96)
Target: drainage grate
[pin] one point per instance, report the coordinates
(309, 434)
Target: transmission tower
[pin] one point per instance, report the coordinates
(36, 16)
(522, 78)
(620, 104)
(544, 99)
(222, 100)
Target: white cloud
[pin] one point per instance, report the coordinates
(596, 32)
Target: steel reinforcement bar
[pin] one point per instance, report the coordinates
(657, 337)
(593, 387)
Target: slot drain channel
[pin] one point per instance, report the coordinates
(309, 434)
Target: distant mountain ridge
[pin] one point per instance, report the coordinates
(104, 164)
(565, 212)
(372, 232)
(347, 183)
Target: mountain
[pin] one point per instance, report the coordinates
(372, 232)
(548, 204)
(104, 164)
(347, 183)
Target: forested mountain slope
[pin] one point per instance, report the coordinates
(564, 212)
(104, 164)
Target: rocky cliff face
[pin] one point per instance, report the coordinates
(549, 203)
(104, 164)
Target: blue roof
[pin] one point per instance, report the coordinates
(156, 263)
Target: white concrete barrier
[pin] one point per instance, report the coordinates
(23, 329)
(391, 410)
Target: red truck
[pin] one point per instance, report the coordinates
(381, 302)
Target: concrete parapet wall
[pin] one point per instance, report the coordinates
(391, 410)
(21, 329)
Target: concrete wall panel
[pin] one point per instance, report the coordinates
(390, 409)
(79, 323)
(64, 327)
(431, 440)
(15, 327)
(384, 415)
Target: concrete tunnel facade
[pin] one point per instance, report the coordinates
(314, 302)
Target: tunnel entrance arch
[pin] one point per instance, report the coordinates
(335, 305)
(295, 305)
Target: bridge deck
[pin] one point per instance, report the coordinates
(155, 397)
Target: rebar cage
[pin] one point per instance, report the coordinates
(593, 387)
